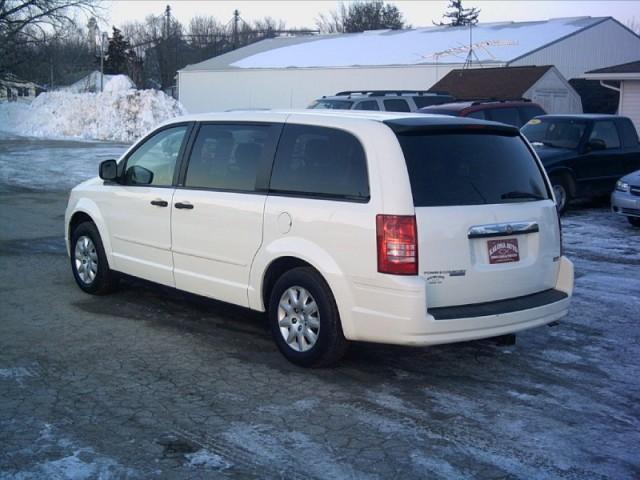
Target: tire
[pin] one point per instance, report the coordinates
(311, 312)
(635, 221)
(562, 192)
(89, 262)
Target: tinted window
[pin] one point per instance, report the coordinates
(605, 131)
(227, 156)
(477, 114)
(527, 113)
(426, 100)
(320, 161)
(396, 105)
(470, 169)
(158, 156)
(628, 132)
(505, 115)
(555, 132)
(367, 105)
(331, 105)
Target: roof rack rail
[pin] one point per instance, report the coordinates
(479, 101)
(382, 93)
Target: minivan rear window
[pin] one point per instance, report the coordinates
(470, 168)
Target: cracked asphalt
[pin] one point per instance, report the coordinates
(154, 383)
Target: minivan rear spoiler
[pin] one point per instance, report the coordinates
(449, 124)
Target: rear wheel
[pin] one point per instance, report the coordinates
(635, 221)
(304, 319)
(562, 192)
(89, 262)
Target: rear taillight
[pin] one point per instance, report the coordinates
(397, 244)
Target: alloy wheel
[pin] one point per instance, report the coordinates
(298, 318)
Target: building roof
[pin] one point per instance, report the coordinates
(625, 71)
(11, 80)
(502, 82)
(631, 67)
(495, 43)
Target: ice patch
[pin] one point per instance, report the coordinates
(439, 467)
(119, 113)
(205, 459)
(15, 373)
(57, 457)
(561, 357)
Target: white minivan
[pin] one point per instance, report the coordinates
(406, 229)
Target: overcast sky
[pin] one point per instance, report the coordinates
(417, 13)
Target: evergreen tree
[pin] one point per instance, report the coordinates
(458, 16)
(119, 54)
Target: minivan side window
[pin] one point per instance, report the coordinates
(605, 131)
(155, 158)
(396, 105)
(508, 115)
(227, 157)
(367, 105)
(320, 162)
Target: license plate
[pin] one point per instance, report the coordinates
(503, 251)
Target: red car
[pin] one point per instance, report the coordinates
(511, 112)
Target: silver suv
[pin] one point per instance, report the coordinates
(382, 100)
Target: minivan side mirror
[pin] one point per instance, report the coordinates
(108, 170)
(596, 144)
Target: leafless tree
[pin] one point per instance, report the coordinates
(361, 15)
(634, 25)
(25, 23)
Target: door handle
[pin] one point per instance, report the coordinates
(184, 205)
(159, 203)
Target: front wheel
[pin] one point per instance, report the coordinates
(89, 262)
(635, 221)
(304, 319)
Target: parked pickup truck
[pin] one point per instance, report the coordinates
(584, 155)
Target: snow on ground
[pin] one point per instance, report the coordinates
(120, 113)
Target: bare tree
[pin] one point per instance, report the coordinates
(634, 25)
(30, 22)
(332, 22)
(360, 16)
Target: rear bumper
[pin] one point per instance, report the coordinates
(625, 204)
(404, 319)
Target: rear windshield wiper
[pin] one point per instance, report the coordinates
(516, 194)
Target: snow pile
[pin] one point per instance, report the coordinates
(91, 83)
(119, 113)
(119, 83)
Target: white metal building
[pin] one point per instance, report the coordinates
(628, 75)
(290, 72)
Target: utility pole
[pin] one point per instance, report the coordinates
(236, 20)
(103, 38)
(167, 21)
